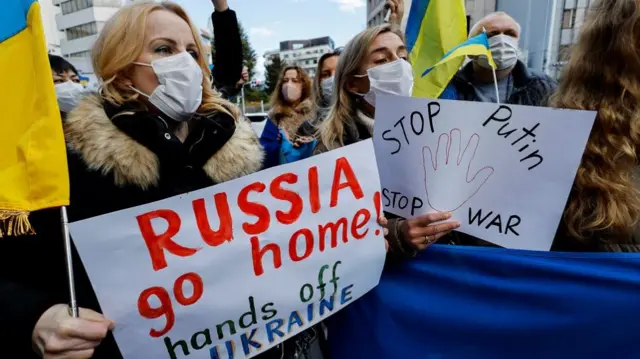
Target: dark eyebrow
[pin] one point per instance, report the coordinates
(165, 39)
(380, 49)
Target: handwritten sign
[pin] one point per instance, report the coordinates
(504, 171)
(232, 270)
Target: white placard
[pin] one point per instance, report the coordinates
(298, 243)
(504, 171)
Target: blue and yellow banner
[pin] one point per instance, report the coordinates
(487, 303)
(434, 29)
(33, 164)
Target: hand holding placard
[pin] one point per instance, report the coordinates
(451, 161)
(510, 191)
(235, 269)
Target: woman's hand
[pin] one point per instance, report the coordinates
(397, 11)
(384, 223)
(220, 5)
(57, 335)
(301, 140)
(425, 230)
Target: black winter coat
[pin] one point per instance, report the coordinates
(118, 158)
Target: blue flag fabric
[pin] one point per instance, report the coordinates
(487, 303)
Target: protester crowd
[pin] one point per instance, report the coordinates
(159, 127)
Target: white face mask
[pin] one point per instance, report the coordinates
(179, 94)
(394, 78)
(69, 94)
(504, 49)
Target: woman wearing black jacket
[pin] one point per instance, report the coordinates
(138, 141)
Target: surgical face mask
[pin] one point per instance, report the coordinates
(291, 92)
(69, 94)
(327, 88)
(504, 49)
(179, 94)
(394, 78)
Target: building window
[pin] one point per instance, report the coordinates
(107, 3)
(568, 19)
(564, 52)
(83, 30)
(75, 5)
(80, 54)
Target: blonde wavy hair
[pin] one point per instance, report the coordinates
(602, 75)
(121, 42)
(343, 106)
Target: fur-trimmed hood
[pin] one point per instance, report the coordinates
(104, 147)
(291, 118)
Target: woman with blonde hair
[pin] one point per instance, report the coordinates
(156, 130)
(603, 211)
(374, 62)
(291, 105)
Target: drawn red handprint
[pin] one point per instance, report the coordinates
(452, 162)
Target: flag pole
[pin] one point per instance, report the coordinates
(73, 305)
(495, 78)
(495, 84)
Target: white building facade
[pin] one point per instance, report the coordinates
(568, 19)
(303, 53)
(52, 35)
(79, 22)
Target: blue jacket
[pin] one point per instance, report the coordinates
(279, 150)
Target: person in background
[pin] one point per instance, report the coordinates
(517, 84)
(67, 84)
(323, 82)
(291, 105)
(375, 61)
(603, 210)
(136, 142)
(227, 72)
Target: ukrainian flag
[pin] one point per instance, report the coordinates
(33, 164)
(434, 28)
(478, 45)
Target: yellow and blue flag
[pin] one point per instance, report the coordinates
(478, 45)
(33, 162)
(434, 28)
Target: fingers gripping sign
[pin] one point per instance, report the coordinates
(453, 161)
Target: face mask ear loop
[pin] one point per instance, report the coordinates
(139, 92)
(142, 64)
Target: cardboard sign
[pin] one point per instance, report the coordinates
(232, 270)
(505, 172)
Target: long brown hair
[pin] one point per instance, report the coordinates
(603, 75)
(277, 98)
(343, 103)
(120, 44)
